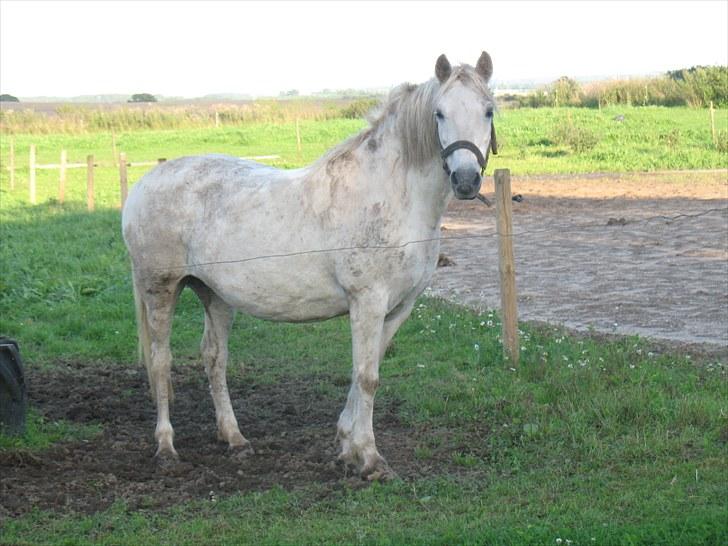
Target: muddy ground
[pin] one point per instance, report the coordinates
(639, 254)
(622, 255)
(290, 423)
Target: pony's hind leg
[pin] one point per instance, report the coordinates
(156, 300)
(214, 348)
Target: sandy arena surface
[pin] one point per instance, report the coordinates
(659, 268)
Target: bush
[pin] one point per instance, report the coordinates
(722, 142)
(562, 92)
(359, 108)
(703, 84)
(565, 92)
(696, 87)
(579, 139)
(660, 91)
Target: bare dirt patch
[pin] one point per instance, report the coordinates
(290, 424)
(629, 254)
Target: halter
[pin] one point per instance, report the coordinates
(467, 145)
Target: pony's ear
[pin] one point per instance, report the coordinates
(442, 68)
(484, 66)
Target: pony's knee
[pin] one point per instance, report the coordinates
(213, 353)
(368, 382)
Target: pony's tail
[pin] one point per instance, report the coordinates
(145, 344)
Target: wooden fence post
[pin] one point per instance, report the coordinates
(62, 177)
(506, 264)
(31, 175)
(298, 138)
(113, 148)
(123, 186)
(712, 125)
(90, 182)
(12, 163)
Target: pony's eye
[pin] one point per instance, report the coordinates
(489, 113)
(439, 115)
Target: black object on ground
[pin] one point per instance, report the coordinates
(13, 391)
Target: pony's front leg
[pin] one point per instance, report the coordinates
(355, 429)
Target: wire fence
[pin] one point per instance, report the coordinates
(399, 246)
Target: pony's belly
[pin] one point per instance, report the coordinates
(293, 295)
(294, 309)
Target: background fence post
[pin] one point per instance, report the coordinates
(712, 125)
(506, 264)
(12, 163)
(113, 148)
(62, 177)
(123, 187)
(31, 175)
(298, 138)
(90, 182)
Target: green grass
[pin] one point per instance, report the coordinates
(40, 433)
(532, 141)
(649, 138)
(588, 441)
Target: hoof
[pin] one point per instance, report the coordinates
(169, 462)
(346, 465)
(376, 470)
(379, 471)
(242, 451)
(165, 456)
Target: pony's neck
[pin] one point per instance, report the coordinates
(410, 129)
(430, 184)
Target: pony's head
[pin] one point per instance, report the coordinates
(463, 114)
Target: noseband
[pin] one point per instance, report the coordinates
(467, 145)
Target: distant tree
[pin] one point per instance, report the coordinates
(143, 97)
(8, 98)
(289, 93)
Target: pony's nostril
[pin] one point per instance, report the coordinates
(465, 178)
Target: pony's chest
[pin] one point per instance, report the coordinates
(399, 268)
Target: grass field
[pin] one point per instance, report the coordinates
(588, 442)
(532, 141)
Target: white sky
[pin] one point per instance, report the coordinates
(195, 48)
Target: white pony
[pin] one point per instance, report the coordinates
(356, 232)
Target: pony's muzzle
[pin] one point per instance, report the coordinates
(466, 182)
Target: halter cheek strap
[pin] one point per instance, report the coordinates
(467, 145)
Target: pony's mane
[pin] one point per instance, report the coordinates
(410, 109)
